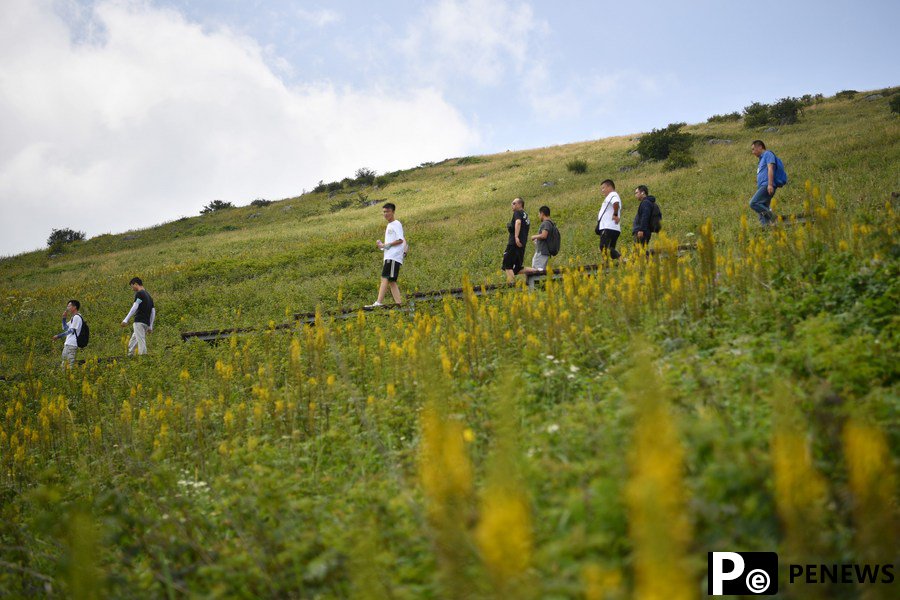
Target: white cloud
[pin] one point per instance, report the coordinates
(480, 40)
(162, 116)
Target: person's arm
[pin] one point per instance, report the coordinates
(152, 317)
(771, 187)
(516, 234)
(65, 330)
(542, 235)
(616, 212)
(134, 308)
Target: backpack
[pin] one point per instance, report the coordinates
(84, 337)
(781, 177)
(553, 239)
(655, 218)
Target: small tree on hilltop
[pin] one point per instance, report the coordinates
(660, 143)
(60, 237)
(756, 115)
(216, 205)
(786, 111)
(365, 176)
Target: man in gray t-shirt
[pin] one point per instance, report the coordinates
(541, 242)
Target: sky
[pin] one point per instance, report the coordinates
(122, 114)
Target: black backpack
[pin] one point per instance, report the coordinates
(655, 218)
(84, 337)
(553, 239)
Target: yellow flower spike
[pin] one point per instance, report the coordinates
(330, 381)
(391, 390)
(184, 375)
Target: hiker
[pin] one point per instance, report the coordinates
(71, 331)
(144, 313)
(394, 248)
(644, 223)
(518, 226)
(608, 227)
(545, 242)
(770, 175)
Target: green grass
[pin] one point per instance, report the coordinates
(597, 436)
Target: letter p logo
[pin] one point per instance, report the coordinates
(726, 573)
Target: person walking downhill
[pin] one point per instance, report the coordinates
(71, 331)
(608, 218)
(394, 248)
(770, 175)
(642, 228)
(518, 226)
(144, 313)
(547, 236)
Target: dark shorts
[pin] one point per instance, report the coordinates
(390, 270)
(513, 258)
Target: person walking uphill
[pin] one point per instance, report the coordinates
(770, 175)
(71, 331)
(608, 218)
(144, 313)
(518, 226)
(394, 248)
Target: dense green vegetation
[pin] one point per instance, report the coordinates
(592, 439)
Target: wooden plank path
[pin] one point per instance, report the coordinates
(309, 318)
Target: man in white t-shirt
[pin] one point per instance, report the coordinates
(71, 330)
(394, 248)
(608, 219)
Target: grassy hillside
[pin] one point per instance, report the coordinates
(593, 439)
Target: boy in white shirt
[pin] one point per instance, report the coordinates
(394, 246)
(70, 332)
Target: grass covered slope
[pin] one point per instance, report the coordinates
(593, 439)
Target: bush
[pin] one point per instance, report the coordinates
(365, 176)
(577, 166)
(679, 159)
(846, 94)
(756, 115)
(260, 202)
(809, 99)
(470, 160)
(216, 205)
(786, 111)
(322, 187)
(383, 180)
(726, 118)
(895, 103)
(60, 237)
(660, 143)
(335, 186)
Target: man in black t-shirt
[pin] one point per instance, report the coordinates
(144, 313)
(514, 256)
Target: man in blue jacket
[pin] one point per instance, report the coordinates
(641, 229)
(770, 175)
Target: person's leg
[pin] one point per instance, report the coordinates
(140, 333)
(613, 236)
(132, 343)
(395, 292)
(382, 290)
(68, 356)
(760, 204)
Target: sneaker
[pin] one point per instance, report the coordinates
(375, 304)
